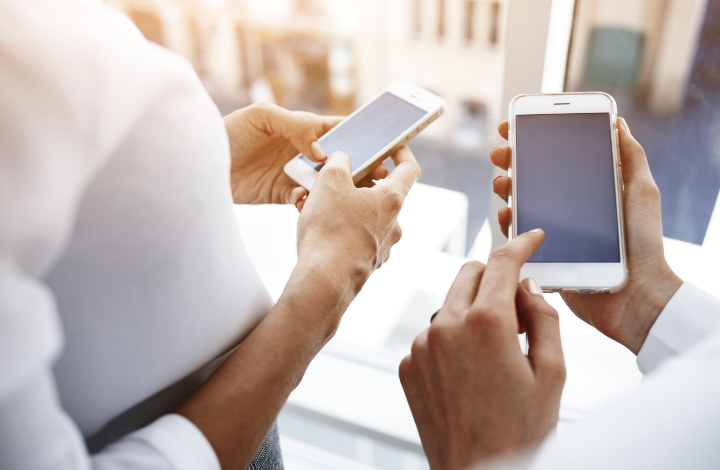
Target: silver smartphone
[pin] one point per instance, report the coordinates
(567, 181)
(373, 132)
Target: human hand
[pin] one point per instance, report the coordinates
(471, 390)
(344, 233)
(350, 230)
(263, 138)
(625, 316)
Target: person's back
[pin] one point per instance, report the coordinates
(124, 283)
(154, 282)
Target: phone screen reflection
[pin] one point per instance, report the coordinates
(565, 186)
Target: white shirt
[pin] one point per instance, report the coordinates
(122, 271)
(673, 420)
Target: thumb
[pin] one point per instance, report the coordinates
(543, 329)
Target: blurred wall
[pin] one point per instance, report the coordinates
(331, 56)
(657, 39)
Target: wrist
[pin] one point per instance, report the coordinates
(644, 307)
(320, 289)
(344, 270)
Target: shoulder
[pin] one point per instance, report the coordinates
(82, 69)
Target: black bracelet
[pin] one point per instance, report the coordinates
(433, 316)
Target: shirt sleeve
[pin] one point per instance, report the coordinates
(171, 442)
(65, 107)
(691, 315)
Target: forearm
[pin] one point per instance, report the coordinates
(238, 404)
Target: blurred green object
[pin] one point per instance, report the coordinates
(614, 59)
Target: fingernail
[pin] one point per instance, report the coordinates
(536, 230)
(533, 286)
(493, 149)
(495, 179)
(318, 151)
(627, 128)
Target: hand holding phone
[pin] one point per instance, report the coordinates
(566, 178)
(330, 233)
(625, 316)
(373, 132)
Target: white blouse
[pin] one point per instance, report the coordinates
(122, 272)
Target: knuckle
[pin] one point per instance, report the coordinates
(473, 266)
(483, 317)
(418, 347)
(547, 310)
(303, 124)
(648, 187)
(438, 335)
(405, 369)
(263, 106)
(397, 233)
(394, 201)
(556, 370)
(501, 255)
(653, 189)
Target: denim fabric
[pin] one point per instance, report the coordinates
(269, 457)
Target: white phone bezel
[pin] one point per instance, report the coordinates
(574, 277)
(304, 174)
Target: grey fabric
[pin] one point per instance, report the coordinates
(147, 411)
(268, 456)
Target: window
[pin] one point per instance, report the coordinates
(660, 64)
(303, 6)
(469, 19)
(417, 6)
(494, 23)
(441, 18)
(471, 127)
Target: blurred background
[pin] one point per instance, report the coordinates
(660, 59)
(331, 56)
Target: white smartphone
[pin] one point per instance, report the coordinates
(566, 180)
(373, 132)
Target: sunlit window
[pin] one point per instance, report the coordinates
(469, 19)
(417, 6)
(440, 18)
(494, 30)
(662, 67)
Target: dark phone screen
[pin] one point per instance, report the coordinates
(371, 130)
(565, 186)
